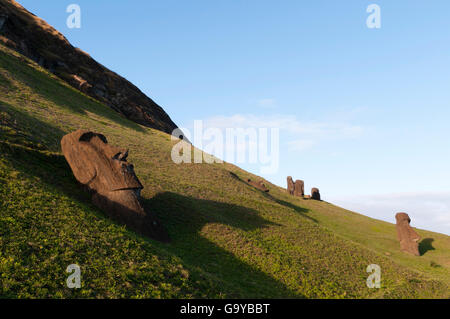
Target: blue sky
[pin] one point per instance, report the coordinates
(363, 113)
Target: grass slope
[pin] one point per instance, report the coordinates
(228, 238)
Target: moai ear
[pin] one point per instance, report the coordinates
(79, 155)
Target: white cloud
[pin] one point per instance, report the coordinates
(430, 211)
(299, 135)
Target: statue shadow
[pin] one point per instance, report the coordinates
(61, 94)
(182, 217)
(302, 211)
(425, 245)
(185, 218)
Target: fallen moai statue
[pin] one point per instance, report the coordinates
(299, 188)
(259, 185)
(115, 188)
(290, 185)
(315, 194)
(409, 239)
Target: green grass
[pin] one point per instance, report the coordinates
(228, 238)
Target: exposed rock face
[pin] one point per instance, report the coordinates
(315, 194)
(104, 170)
(34, 38)
(259, 185)
(290, 185)
(299, 188)
(409, 239)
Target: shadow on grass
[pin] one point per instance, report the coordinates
(54, 91)
(302, 211)
(425, 245)
(18, 127)
(183, 217)
(5, 82)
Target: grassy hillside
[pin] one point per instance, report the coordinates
(228, 238)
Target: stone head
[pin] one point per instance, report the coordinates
(97, 164)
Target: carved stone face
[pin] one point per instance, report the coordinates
(406, 235)
(315, 194)
(290, 185)
(97, 164)
(299, 188)
(259, 185)
(104, 170)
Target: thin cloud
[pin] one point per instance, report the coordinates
(300, 135)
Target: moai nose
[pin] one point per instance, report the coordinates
(123, 155)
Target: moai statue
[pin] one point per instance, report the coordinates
(259, 185)
(299, 188)
(290, 185)
(315, 194)
(409, 239)
(115, 188)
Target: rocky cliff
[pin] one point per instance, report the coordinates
(34, 38)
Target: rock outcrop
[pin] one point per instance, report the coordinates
(290, 185)
(315, 194)
(103, 169)
(34, 38)
(299, 188)
(409, 239)
(259, 185)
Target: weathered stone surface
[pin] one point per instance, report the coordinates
(290, 185)
(34, 38)
(115, 188)
(315, 194)
(259, 185)
(409, 239)
(299, 188)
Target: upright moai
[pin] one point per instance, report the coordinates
(406, 235)
(315, 194)
(299, 188)
(290, 185)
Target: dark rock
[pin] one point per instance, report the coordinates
(409, 239)
(259, 185)
(299, 188)
(290, 185)
(33, 37)
(104, 170)
(3, 19)
(315, 194)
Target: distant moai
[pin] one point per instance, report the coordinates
(315, 194)
(409, 239)
(299, 188)
(259, 185)
(290, 185)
